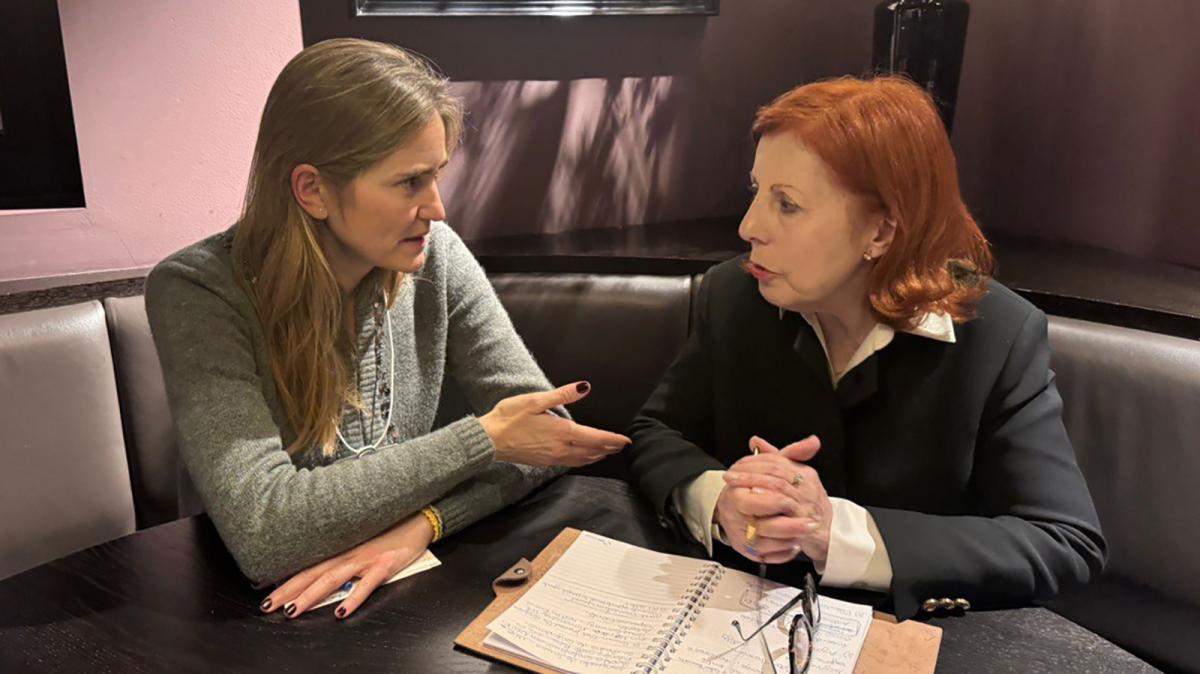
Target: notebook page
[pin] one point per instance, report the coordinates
(598, 607)
(493, 640)
(713, 647)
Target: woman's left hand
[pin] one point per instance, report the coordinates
(373, 562)
(806, 530)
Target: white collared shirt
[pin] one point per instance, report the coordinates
(857, 556)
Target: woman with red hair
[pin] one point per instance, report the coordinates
(923, 449)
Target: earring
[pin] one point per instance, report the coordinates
(867, 257)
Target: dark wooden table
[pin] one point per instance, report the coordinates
(171, 599)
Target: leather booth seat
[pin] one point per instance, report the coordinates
(618, 332)
(149, 434)
(1131, 401)
(89, 445)
(64, 480)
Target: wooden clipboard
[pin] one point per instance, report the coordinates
(890, 648)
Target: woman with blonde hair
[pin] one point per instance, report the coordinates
(858, 397)
(304, 348)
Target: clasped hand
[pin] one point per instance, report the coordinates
(784, 500)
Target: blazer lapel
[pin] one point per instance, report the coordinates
(811, 406)
(807, 348)
(859, 384)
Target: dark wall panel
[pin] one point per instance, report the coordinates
(1077, 120)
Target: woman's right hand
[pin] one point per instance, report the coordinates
(525, 431)
(788, 518)
(772, 515)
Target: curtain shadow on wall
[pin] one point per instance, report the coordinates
(591, 150)
(612, 121)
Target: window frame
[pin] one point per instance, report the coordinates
(39, 151)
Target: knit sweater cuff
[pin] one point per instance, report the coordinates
(479, 450)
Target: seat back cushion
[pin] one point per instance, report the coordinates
(1132, 409)
(619, 332)
(65, 482)
(149, 433)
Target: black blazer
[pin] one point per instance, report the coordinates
(958, 451)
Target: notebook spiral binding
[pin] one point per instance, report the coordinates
(667, 639)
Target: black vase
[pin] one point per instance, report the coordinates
(923, 39)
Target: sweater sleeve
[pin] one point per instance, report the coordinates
(274, 517)
(490, 362)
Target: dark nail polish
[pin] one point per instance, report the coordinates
(341, 612)
(289, 609)
(583, 387)
(266, 604)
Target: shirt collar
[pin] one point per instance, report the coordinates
(934, 325)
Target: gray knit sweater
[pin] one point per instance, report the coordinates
(278, 515)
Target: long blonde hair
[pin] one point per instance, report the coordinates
(341, 105)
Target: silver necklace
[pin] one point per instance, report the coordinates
(369, 449)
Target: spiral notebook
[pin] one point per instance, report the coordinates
(607, 607)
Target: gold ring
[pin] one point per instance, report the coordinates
(751, 533)
(797, 480)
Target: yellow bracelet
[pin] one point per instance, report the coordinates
(435, 520)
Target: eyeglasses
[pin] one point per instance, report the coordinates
(802, 629)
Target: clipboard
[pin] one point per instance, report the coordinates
(890, 647)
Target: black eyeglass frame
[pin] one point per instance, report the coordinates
(809, 616)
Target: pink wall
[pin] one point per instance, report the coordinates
(167, 96)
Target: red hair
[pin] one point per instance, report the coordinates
(883, 140)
